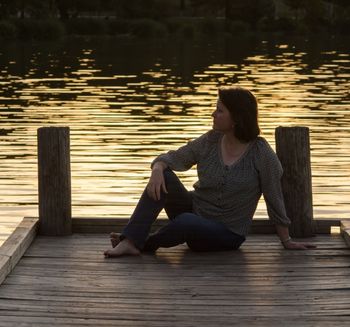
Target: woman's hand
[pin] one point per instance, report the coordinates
(287, 241)
(156, 182)
(291, 245)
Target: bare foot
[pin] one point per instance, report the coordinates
(125, 247)
(114, 239)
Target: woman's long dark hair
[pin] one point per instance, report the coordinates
(243, 107)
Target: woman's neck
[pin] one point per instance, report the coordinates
(232, 142)
(232, 149)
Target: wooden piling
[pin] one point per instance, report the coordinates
(293, 150)
(55, 213)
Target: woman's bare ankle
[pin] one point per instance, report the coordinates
(115, 240)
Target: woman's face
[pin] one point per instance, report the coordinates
(222, 120)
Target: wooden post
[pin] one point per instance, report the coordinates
(55, 213)
(293, 150)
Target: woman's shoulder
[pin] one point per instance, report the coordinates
(205, 143)
(262, 144)
(213, 136)
(264, 153)
(209, 137)
(263, 149)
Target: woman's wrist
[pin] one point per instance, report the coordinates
(283, 234)
(159, 165)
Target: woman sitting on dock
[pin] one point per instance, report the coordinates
(234, 165)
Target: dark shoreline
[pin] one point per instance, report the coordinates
(190, 28)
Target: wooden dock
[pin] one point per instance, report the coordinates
(66, 281)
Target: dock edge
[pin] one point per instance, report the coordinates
(12, 250)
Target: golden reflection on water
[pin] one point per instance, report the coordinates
(120, 122)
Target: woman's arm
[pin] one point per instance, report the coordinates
(288, 243)
(179, 160)
(186, 156)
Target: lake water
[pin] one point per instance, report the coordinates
(127, 101)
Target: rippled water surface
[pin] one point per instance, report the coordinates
(127, 101)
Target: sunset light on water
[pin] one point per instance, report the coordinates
(123, 115)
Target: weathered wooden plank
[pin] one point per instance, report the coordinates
(196, 278)
(16, 245)
(166, 311)
(5, 267)
(192, 295)
(7, 227)
(184, 293)
(267, 240)
(246, 248)
(195, 299)
(191, 307)
(238, 264)
(106, 225)
(220, 274)
(246, 251)
(189, 269)
(163, 285)
(29, 320)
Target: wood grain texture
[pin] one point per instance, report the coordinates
(66, 281)
(7, 227)
(345, 231)
(293, 150)
(15, 246)
(54, 175)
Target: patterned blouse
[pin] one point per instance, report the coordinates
(230, 194)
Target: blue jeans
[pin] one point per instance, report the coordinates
(199, 233)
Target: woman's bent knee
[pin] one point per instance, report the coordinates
(187, 218)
